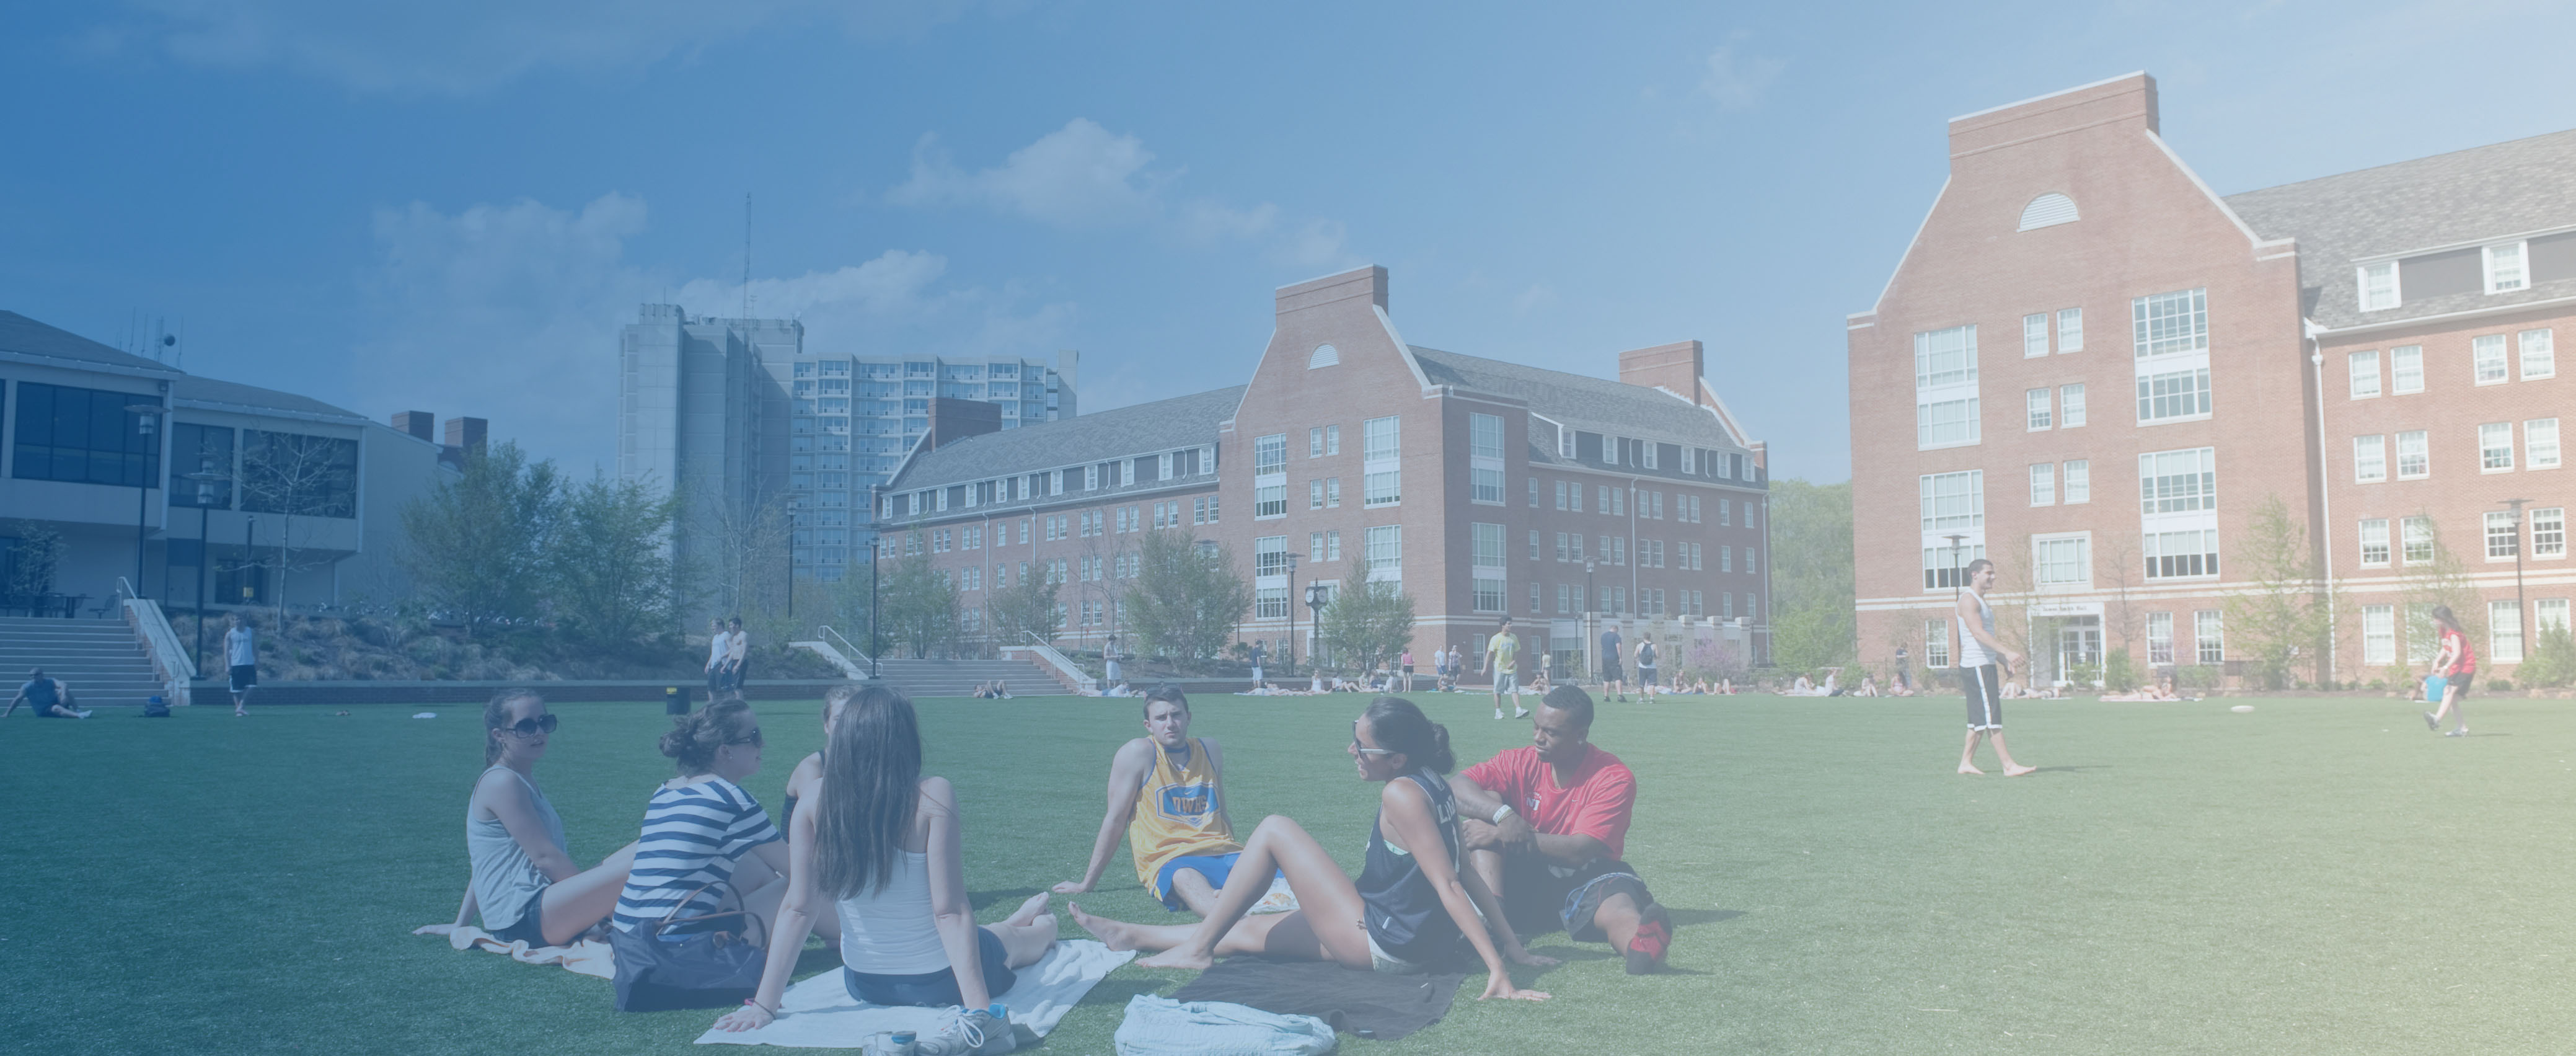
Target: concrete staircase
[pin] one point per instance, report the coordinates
(957, 678)
(99, 659)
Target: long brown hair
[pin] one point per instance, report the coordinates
(871, 785)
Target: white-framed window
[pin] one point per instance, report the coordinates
(2495, 447)
(2043, 484)
(2036, 401)
(2549, 614)
(1270, 500)
(2505, 272)
(2079, 481)
(2173, 395)
(1315, 441)
(1485, 459)
(1333, 544)
(1269, 556)
(2379, 634)
(1269, 454)
(1945, 423)
(2063, 562)
(2070, 330)
(2070, 405)
(2374, 542)
(2417, 538)
(2364, 367)
(1953, 501)
(2209, 636)
(1315, 494)
(2414, 454)
(2378, 283)
(2549, 532)
(1945, 357)
(2539, 354)
(2183, 481)
(1382, 450)
(2170, 323)
(1386, 552)
(2181, 555)
(2034, 335)
(2487, 358)
(2370, 458)
(2504, 631)
(1207, 459)
(1487, 540)
(2406, 369)
(1535, 544)
(2160, 639)
(2504, 535)
(1936, 638)
(1163, 465)
(1944, 567)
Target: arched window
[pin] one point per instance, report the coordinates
(2048, 210)
(1325, 356)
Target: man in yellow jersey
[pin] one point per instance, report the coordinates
(1166, 789)
(1502, 658)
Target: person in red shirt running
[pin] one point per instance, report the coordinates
(2458, 666)
(1544, 827)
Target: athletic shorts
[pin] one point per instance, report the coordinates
(1984, 684)
(1610, 671)
(244, 677)
(2464, 682)
(1540, 896)
(1507, 682)
(1215, 867)
(1408, 670)
(934, 989)
(531, 925)
(1645, 674)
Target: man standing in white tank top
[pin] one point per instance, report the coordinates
(1981, 654)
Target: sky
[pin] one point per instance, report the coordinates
(454, 207)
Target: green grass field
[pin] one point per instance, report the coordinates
(2316, 876)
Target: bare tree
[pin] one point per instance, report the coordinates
(742, 553)
(296, 474)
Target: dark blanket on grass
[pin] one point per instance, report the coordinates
(1352, 1000)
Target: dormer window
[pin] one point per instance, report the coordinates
(2048, 210)
(2505, 272)
(1323, 356)
(2378, 286)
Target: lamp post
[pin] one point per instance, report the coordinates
(1317, 596)
(2518, 611)
(1290, 599)
(147, 421)
(205, 479)
(876, 610)
(1954, 567)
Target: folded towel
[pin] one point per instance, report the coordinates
(1160, 1026)
(587, 957)
(819, 1013)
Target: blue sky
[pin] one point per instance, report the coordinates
(453, 207)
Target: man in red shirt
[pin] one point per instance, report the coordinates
(1544, 827)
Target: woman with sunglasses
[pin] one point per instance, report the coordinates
(525, 883)
(1411, 911)
(698, 828)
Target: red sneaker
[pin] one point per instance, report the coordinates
(1653, 943)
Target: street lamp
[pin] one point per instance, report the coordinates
(1591, 594)
(1317, 596)
(2518, 610)
(147, 421)
(1954, 567)
(205, 479)
(1291, 605)
(876, 643)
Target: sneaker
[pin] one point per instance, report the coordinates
(1653, 943)
(2432, 723)
(972, 1033)
(1498, 713)
(2460, 732)
(83, 714)
(1517, 713)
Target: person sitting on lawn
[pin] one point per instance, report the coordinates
(699, 826)
(1545, 826)
(882, 847)
(1412, 908)
(808, 776)
(525, 884)
(1167, 793)
(50, 697)
(1868, 686)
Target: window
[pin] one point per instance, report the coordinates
(1315, 494)
(2063, 562)
(1936, 638)
(1487, 594)
(1270, 455)
(1386, 552)
(2549, 532)
(2173, 395)
(1952, 501)
(2365, 374)
(2037, 403)
(2418, 540)
(1333, 544)
(1269, 500)
(2178, 481)
(1536, 545)
(2504, 535)
(2378, 283)
(1944, 357)
(1538, 599)
(2406, 369)
(2160, 638)
(2504, 631)
(2504, 268)
(2167, 323)
(1577, 540)
(1487, 544)
(1533, 493)
(2486, 355)
(85, 436)
(1091, 478)
(2070, 405)
(2070, 330)
(2370, 458)
(2181, 555)
(1332, 493)
(2374, 542)
(2378, 634)
(2043, 484)
(2079, 481)
(2209, 637)
(296, 474)
(207, 451)
(1270, 556)
(1945, 423)
(1382, 440)
(2414, 457)
(2034, 335)
(1944, 568)
(2495, 447)
(1315, 442)
(1485, 458)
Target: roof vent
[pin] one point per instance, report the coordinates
(1325, 356)
(2048, 210)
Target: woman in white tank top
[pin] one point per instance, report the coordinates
(879, 849)
(525, 884)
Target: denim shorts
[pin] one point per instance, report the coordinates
(934, 989)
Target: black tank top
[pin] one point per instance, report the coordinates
(1404, 912)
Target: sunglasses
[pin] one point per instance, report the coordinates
(525, 728)
(1362, 749)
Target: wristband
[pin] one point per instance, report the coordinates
(1502, 812)
(755, 1003)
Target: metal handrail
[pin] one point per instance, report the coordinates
(1059, 661)
(846, 648)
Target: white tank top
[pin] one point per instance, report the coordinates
(888, 930)
(1972, 653)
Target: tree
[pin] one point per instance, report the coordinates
(741, 553)
(920, 605)
(2282, 610)
(1813, 584)
(33, 561)
(1186, 597)
(2443, 580)
(296, 474)
(1026, 610)
(609, 573)
(1367, 625)
(476, 543)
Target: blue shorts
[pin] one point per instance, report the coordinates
(934, 989)
(1215, 867)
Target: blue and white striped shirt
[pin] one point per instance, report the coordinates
(693, 835)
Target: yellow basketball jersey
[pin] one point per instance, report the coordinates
(1178, 814)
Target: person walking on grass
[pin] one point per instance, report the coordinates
(737, 654)
(1167, 794)
(1612, 685)
(2457, 663)
(1646, 674)
(1502, 660)
(1984, 662)
(719, 645)
(525, 883)
(241, 654)
(51, 698)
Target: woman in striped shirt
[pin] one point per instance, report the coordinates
(699, 826)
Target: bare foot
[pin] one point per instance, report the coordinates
(1029, 910)
(1969, 769)
(1176, 958)
(1119, 935)
(2017, 771)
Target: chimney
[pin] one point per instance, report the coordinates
(467, 433)
(1675, 366)
(420, 424)
(952, 420)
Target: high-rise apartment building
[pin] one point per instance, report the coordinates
(738, 417)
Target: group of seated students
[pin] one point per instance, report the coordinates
(992, 691)
(1458, 867)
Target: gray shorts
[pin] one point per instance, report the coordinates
(1507, 682)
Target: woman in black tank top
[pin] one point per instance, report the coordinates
(1412, 907)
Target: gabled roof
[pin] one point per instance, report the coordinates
(210, 394)
(27, 337)
(1101, 436)
(2466, 196)
(1589, 404)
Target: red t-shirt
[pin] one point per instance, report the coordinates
(2465, 661)
(1597, 804)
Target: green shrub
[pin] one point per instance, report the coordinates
(2119, 673)
(2499, 685)
(2552, 661)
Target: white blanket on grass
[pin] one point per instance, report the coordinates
(819, 1013)
(587, 957)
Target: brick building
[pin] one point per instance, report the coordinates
(2373, 349)
(1482, 487)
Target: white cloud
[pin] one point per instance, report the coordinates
(1736, 82)
(512, 313)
